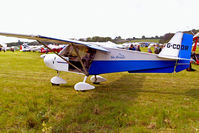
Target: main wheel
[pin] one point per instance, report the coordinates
(81, 90)
(96, 82)
(55, 84)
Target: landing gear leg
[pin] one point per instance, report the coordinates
(95, 82)
(96, 79)
(83, 86)
(56, 81)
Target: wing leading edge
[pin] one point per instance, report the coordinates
(53, 40)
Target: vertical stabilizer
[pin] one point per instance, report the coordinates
(179, 47)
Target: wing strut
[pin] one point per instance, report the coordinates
(85, 71)
(62, 58)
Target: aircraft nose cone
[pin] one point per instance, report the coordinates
(48, 60)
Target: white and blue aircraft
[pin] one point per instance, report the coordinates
(91, 59)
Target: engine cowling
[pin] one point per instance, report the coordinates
(55, 62)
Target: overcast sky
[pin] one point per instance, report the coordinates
(87, 18)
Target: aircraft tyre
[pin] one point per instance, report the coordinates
(96, 82)
(55, 84)
(81, 90)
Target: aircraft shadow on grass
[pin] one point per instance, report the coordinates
(193, 93)
(107, 106)
(126, 82)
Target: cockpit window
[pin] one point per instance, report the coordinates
(86, 55)
(69, 51)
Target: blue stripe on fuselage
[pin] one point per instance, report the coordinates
(182, 64)
(100, 67)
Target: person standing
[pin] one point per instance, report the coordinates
(131, 47)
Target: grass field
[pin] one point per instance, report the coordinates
(135, 103)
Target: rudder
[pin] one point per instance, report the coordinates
(185, 52)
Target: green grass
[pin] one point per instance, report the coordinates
(134, 103)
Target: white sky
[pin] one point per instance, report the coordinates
(87, 18)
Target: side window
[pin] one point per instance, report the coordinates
(86, 54)
(68, 51)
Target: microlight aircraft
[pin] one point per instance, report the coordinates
(90, 59)
(25, 47)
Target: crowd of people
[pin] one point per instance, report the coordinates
(135, 48)
(2, 49)
(157, 48)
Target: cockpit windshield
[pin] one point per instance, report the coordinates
(86, 54)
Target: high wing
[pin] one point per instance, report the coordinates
(53, 40)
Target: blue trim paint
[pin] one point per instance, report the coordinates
(62, 62)
(156, 70)
(185, 52)
(100, 67)
(186, 46)
(182, 64)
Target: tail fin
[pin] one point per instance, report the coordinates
(179, 47)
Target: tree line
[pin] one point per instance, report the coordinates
(117, 39)
(162, 39)
(168, 36)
